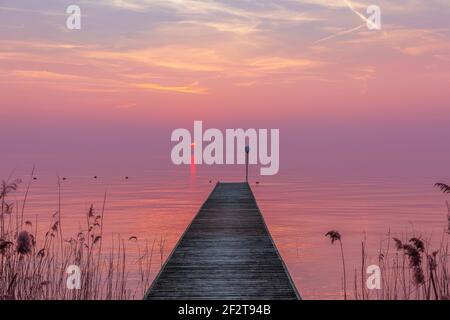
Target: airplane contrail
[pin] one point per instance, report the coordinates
(335, 35)
(363, 17)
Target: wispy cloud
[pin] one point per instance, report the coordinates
(194, 46)
(192, 88)
(38, 11)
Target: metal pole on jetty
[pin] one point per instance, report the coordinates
(247, 150)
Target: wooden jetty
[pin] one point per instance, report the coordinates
(225, 253)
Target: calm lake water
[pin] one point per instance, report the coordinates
(298, 208)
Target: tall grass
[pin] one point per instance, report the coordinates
(411, 267)
(34, 266)
(336, 236)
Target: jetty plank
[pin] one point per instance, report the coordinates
(225, 253)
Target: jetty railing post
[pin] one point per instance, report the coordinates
(247, 150)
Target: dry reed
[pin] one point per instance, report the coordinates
(34, 266)
(410, 270)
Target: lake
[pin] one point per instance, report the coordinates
(299, 209)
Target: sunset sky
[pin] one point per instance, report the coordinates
(138, 69)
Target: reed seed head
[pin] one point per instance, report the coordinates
(24, 242)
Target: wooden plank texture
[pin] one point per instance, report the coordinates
(225, 253)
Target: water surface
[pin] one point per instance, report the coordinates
(299, 209)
